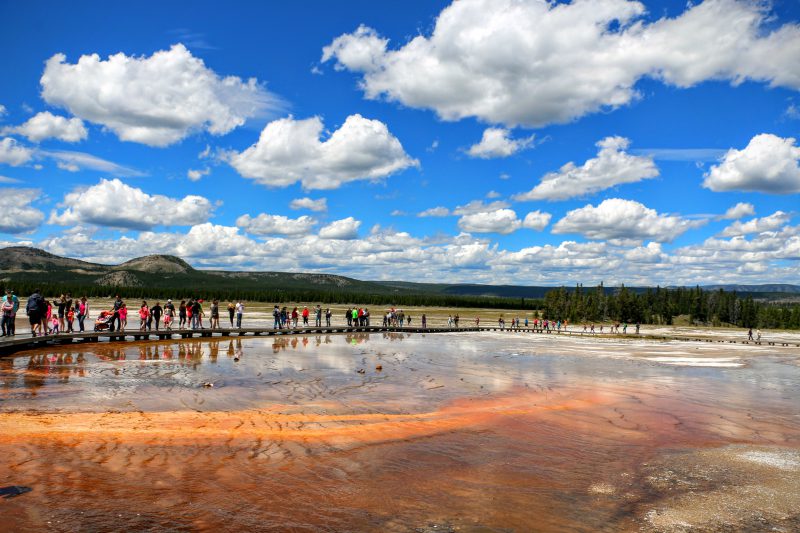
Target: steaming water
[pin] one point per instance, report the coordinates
(466, 432)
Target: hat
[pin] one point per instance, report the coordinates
(169, 300)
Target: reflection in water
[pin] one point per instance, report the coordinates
(474, 432)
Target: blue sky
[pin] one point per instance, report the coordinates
(555, 143)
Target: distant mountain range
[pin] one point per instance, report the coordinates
(24, 264)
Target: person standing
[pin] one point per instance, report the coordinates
(424, 321)
(215, 314)
(305, 316)
(276, 317)
(231, 312)
(349, 316)
(15, 302)
(35, 309)
(318, 316)
(182, 314)
(123, 316)
(328, 316)
(750, 334)
(239, 313)
(117, 305)
(8, 315)
(144, 314)
(155, 312)
(197, 314)
(83, 312)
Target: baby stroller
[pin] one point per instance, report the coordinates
(103, 321)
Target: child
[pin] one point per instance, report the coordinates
(168, 320)
(54, 322)
(123, 316)
(70, 318)
(144, 313)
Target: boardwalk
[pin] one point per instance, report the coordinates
(26, 342)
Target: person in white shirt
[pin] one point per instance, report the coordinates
(239, 313)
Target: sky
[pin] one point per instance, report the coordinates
(478, 141)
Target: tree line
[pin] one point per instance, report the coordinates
(578, 304)
(661, 306)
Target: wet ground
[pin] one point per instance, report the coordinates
(396, 432)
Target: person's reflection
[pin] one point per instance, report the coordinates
(305, 342)
(213, 351)
(7, 376)
(34, 378)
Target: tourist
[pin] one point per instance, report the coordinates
(67, 306)
(144, 314)
(305, 316)
(637, 328)
(48, 316)
(424, 321)
(239, 313)
(214, 314)
(70, 318)
(156, 311)
(477, 321)
(758, 335)
(190, 313)
(328, 316)
(197, 314)
(182, 314)
(123, 316)
(15, 303)
(232, 311)
(276, 317)
(55, 320)
(8, 316)
(348, 315)
(83, 312)
(455, 320)
(408, 320)
(284, 317)
(318, 316)
(117, 305)
(750, 334)
(295, 317)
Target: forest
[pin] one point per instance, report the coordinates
(575, 304)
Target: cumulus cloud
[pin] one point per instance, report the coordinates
(612, 166)
(46, 125)
(497, 142)
(758, 225)
(290, 151)
(623, 219)
(156, 100)
(2, 110)
(318, 205)
(768, 164)
(539, 62)
(265, 224)
(346, 228)
(19, 215)
(503, 221)
(196, 175)
(536, 220)
(115, 204)
(742, 209)
(477, 206)
(438, 211)
(14, 154)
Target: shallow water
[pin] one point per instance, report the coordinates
(466, 432)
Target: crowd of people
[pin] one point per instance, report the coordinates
(48, 317)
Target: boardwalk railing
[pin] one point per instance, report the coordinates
(25, 341)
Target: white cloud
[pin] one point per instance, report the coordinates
(318, 205)
(115, 204)
(742, 209)
(492, 195)
(196, 175)
(14, 154)
(477, 206)
(69, 167)
(46, 125)
(346, 228)
(612, 166)
(82, 160)
(623, 219)
(361, 50)
(6, 179)
(503, 221)
(438, 211)
(2, 110)
(757, 225)
(497, 142)
(536, 220)
(156, 100)
(265, 224)
(539, 62)
(652, 253)
(19, 216)
(768, 164)
(290, 151)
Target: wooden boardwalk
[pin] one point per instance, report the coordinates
(25, 341)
